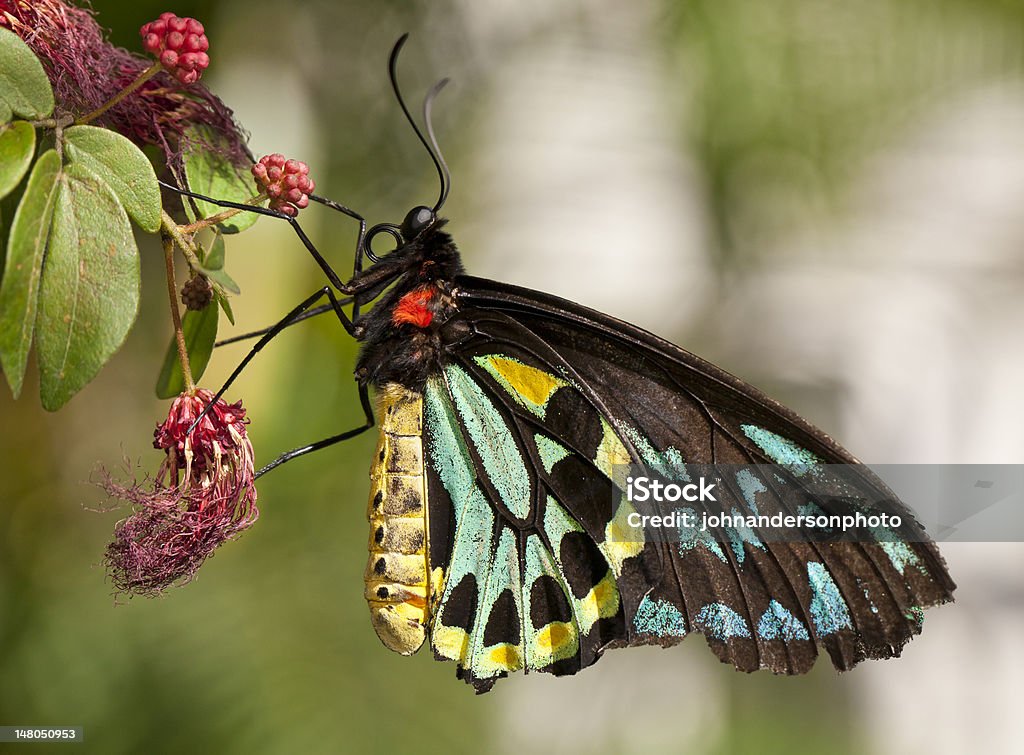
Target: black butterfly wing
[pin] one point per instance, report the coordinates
(538, 402)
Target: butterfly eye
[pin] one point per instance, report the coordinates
(417, 219)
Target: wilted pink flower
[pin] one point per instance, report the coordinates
(203, 495)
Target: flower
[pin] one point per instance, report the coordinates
(204, 494)
(286, 182)
(180, 45)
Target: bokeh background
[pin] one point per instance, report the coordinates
(823, 197)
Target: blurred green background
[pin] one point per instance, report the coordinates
(823, 197)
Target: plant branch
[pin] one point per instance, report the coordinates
(179, 334)
(175, 231)
(199, 225)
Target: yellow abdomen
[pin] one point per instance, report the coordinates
(397, 584)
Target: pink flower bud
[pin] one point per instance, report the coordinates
(286, 182)
(184, 39)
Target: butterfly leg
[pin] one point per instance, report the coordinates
(273, 331)
(332, 276)
(360, 241)
(322, 309)
(364, 399)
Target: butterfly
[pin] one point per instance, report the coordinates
(499, 532)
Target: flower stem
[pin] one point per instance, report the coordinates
(199, 225)
(141, 79)
(179, 334)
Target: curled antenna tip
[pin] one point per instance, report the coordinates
(445, 173)
(397, 48)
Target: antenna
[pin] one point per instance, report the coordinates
(433, 151)
(446, 179)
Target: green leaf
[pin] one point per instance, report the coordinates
(17, 146)
(90, 289)
(212, 174)
(6, 114)
(213, 266)
(19, 292)
(200, 330)
(23, 83)
(225, 280)
(123, 166)
(214, 258)
(225, 305)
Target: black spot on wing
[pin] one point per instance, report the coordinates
(441, 515)
(582, 562)
(548, 602)
(503, 623)
(460, 608)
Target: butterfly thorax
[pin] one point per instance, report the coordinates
(402, 334)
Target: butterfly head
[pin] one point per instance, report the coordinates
(417, 220)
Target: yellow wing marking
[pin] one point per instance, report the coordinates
(534, 386)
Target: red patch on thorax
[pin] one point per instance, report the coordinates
(413, 308)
